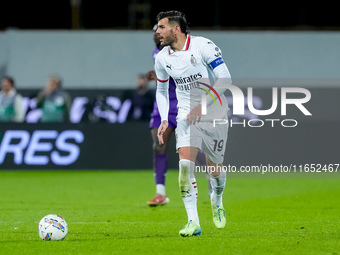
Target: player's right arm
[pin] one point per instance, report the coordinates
(162, 97)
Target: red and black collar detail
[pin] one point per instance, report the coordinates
(188, 43)
(186, 47)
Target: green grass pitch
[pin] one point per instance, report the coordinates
(106, 213)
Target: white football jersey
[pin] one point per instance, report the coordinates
(194, 71)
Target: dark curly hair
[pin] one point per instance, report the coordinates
(175, 17)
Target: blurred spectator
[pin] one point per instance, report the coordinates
(10, 102)
(54, 102)
(142, 100)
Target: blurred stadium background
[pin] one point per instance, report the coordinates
(100, 47)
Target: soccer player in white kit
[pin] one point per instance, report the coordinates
(196, 65)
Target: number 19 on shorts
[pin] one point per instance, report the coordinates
(218, 145)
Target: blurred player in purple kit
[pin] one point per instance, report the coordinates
(160, 158)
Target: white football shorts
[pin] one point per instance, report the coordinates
(210, 139)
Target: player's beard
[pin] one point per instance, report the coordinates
(169, 40)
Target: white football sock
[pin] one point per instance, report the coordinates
(160, 189)
(217, 185)
(188, 188)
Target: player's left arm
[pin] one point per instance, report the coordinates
(212, 56)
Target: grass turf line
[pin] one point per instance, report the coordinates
(107, 214)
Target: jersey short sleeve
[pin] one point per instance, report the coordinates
(161, 74)
(212, 55)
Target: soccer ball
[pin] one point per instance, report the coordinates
(52, 228)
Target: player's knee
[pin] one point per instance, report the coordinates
(184, 174)
(159, 149)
